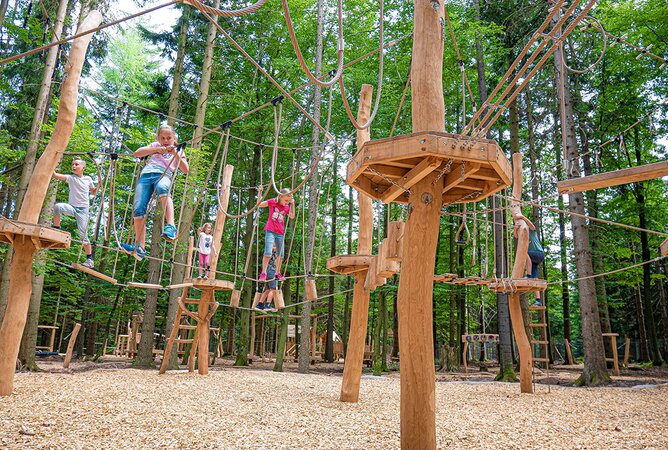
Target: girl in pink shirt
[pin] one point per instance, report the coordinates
(283, 205)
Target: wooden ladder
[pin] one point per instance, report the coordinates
(540, 346)
(174, 336)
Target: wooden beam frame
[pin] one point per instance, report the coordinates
(409, 180)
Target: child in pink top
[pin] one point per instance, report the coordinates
(283, 205)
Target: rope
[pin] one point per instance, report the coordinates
(401, 101)
(351, 117)
(300, 56)
(225, 12)
(623, 269)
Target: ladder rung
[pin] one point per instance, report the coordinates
(537, 325)
(541, 359)
(192, 301)
(183, 341)
(187, 327)
(539, 342)
(537, 308)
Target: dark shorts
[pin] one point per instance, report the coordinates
(536, 258)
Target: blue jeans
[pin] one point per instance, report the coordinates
(146, 184)
(271, 238)
(536, 257)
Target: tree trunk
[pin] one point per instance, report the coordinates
(304, 345)
(664, 315)
(595, 370)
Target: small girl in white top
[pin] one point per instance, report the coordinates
(204, 247)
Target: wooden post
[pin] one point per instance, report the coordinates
(207, 297)
(414, 300)
(569, 352)
(20, 286)
(251, 353)
(627, 351)
(521, 254)
(464, 354)
(352, 370)
(313, 335)
(70, 345)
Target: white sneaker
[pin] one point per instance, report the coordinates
(89, 263)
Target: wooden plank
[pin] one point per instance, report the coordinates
(346, 264)
(424, 168)
(178, 286)
(615, 178)
(70, 345)
(95, 273)
(395, 235)
(210, 283)
(144, 285)
(445, 277)
(456, 176)
(518, 284)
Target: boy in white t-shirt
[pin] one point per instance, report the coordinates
(78, 204)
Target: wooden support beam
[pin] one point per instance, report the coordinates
(70, 345)
(615, 178)
(409, 180)
(95, 273)
(522, 340)
(455, 177)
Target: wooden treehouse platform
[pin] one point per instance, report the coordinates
(510, 285)
(386, 168)
(209, 283)
(43, 237)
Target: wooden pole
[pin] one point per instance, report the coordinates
(207, 298)
(352, 370)
(516, 318)
(414, 299)
(20, 286)
(70, 345)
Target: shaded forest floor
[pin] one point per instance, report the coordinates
(110, 404)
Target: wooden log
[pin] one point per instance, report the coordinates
(521, 254)
(311, 292)
(522, 340)
(178, 286)
(218, 229)
(189, 257)
(418, 383)
(95, 273)
(465, 355)
(70, 345)
(278, 299)
(394, 247)
(614, 178)
(20, 286)
(627, 351)
(144, 285)
(235, 298)
(352, 369)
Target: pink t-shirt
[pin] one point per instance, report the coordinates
(277, 213)
(158, 163)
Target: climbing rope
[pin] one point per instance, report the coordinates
(225, 12)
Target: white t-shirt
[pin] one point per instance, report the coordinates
(205, 243)
(79, 190)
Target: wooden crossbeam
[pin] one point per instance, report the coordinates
(456, 176)
(615, 178)
(427, 166)
(95, 273)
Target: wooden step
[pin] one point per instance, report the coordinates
(183, 341)
(537, 308)
(547, 360)
(540, 342)
(191, 301)
(537, 325)
(187, 327)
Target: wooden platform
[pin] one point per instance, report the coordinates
(347, 264)
(507, 285)
(472, 168)
(615, 178)
(210, 283)
(42, 236)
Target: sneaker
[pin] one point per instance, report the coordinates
(279, 276)
(260, 306)
(169, 232)
(88, 263)
(128, 248)
(269, 308)
(139, 253)
(538, 303)
(206, 276)
(263, 276)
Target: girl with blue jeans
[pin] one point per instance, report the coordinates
(279, 207)
(156, 176)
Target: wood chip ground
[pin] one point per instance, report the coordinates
(246, 408)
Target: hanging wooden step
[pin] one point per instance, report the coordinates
(545, 360)
(178, 286)
(537, 308)
(508, 285)
(615, 178)
(444, 277)
(43, 237)
(386, 168)
(144, 285)
(183, 341)
(537, 325)
(95, 273)
(539, 342)
(187, 327)
(347, 264)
